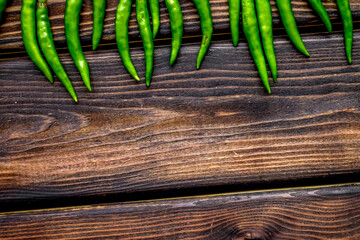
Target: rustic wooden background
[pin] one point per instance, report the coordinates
(192, 132)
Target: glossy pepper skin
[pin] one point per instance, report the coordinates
(121, 32)
(288, 19)
(143, 19)
(98, 21)
(345, 12)
(48, 48)
(72, 14)
(28, 29)
(234, 13)
(176, 22)
(155, 16)
(321, 11)
(251, 30)
(263, 9)
(2, 7)
(203, 8)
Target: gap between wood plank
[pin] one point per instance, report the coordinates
(210, 195)
(68, 202)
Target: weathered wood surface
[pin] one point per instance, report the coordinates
(317, 213)
(215, 126)
(10, 33)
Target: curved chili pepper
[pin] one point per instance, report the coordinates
(288, 19)
(143, 19)
(28, 30)
(72, 14)
(98, 21)
(321, 11)
(234, 13)
(121, 32)
(155, 16)
(345, 12)
(176, 22)
(263, 9)
(204, 10)
(48, 48)
(252, 35)
(2, 7)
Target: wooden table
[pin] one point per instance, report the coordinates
(201, 154)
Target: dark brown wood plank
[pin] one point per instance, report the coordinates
(10, 32)
(315, 213)
(211, 127)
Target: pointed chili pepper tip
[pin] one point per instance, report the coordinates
(75, 98)
(329, 28)
(176, 24)
(198, 65)
(268, 90)
(49, 77)
(89, 88)
(154, 34)
(306, 53)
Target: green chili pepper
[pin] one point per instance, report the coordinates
(345, 12)
(143, 19)
(288, 19)
(252, 35)
(204, 10)
(121, 32)
(155, 16)
(72, 14)
(263, 9)
(2, 7)
(28, 29)
(98, 21)
(321, 11)
(234, 13)
(176, 22)
(48, 48)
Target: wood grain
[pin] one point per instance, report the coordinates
(11, 40)
(317, 213)
(211, 127)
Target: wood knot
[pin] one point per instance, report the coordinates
(254, 235)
